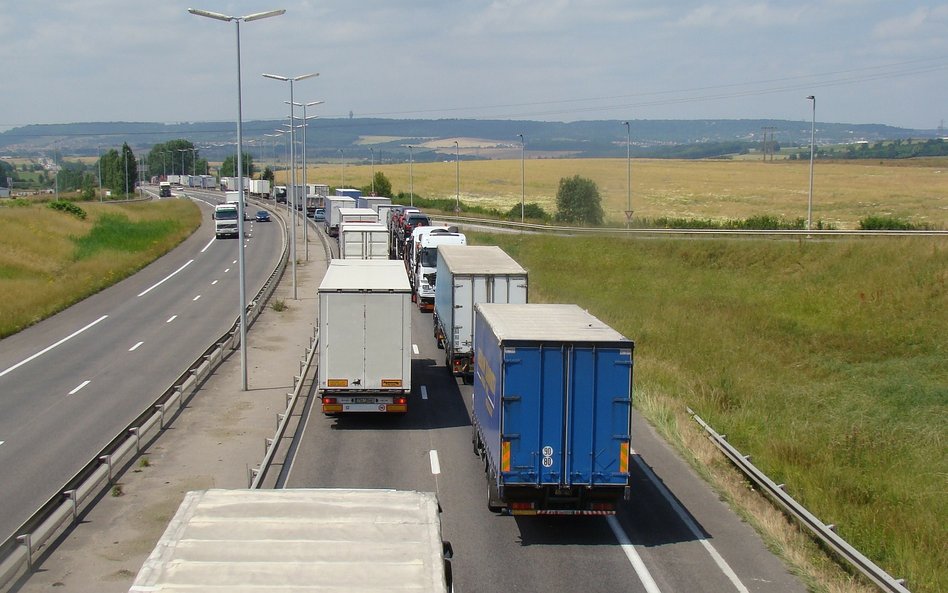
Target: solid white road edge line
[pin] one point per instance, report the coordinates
(686, 519)
(135, 347)
(78, 387)
(48, 348)
(435, 465)
(163, 280)
(644, 575)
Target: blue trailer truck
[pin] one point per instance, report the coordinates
(552, 409)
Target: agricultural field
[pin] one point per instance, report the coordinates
(843, 193)
(827, 361)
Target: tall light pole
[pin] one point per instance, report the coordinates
(809, 202)
(305, 185)
(99, 150)
(411, 183)
(628, 171)
(292, 196)
(182, 151)
(523, 187)
(457, 169)
(372, 151)
(342, 156)
(240, 177)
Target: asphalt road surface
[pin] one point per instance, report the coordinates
(71, 383)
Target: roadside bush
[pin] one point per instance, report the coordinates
(531, 211)
(890, 223)
(68, 207)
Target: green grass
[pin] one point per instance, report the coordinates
(827, 361)
(116, 232)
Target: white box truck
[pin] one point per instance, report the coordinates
(260, 188)
(468, 275)
(333, 204)
(226, 220)
(364, 337)
(301, 539)
(347, 214)
(363, 240)
(421, 259)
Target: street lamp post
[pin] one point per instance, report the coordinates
(240, 178)
(411, 184)
(305, 185)
(292, 197)
(99, 150)
(342, 156)
(809, 202)
(628, 171)
(457, 173)
(523, 187)
(372, 151)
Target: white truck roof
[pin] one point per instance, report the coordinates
(360, 275)
(546, 322)
(478, 259)
(295, 540)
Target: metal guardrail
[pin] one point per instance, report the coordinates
(535, 227)
(824, 532)
(30, 541)
(260, 473)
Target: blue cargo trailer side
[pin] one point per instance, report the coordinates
(552, 409)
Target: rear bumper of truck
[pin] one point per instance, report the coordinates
(345, 403)
(556, 500)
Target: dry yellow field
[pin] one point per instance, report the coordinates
(844, 192)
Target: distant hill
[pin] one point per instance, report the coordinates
(434, 139)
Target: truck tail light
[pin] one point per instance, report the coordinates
(522, 506)
(329, 400)
(402, 400)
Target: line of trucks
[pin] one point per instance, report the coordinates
(551, 420)
(552, 396)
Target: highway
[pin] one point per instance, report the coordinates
(673, 535)
(71, 383)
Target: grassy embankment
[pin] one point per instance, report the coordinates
(51, 259)
(843, 193)
(827, 361)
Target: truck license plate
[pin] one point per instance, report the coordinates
(363, 400)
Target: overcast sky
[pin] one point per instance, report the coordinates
(866, 61)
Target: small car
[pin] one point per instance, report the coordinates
(319, 215)
(263, 216)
